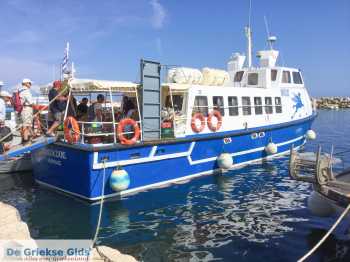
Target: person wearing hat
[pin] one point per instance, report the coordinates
(57, 107)
(26, 116)
(5, 98)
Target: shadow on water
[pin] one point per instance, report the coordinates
(252, 214)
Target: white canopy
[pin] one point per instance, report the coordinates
(176, 87)
(92, 85)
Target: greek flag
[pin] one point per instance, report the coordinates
(65, 60)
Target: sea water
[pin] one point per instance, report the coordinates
(256, 213)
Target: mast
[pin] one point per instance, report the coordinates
(248, 33)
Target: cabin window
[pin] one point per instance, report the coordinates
(278, 105)
(218, 104)
(238, 76)
(253, 79)
(201, 105)
(233, 105)
(273, 74)
(177, 101)
(286, 77)
(258, 105)
(297, 78)
(268, 105)
(246, 105)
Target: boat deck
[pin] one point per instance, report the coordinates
(20, 149)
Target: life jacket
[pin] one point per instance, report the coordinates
(16, 102)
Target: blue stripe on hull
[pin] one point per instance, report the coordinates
(80, 173)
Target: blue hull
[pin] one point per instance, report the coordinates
(79, 171)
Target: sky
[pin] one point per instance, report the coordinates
(108, 38)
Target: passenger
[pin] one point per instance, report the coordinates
(5, 98)
(82, 108)
(26, 115)
(95, 110)
(57, 107)
(5, 131)
(128, 107)
(72, 108)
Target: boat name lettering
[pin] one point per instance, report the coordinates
(57, 154)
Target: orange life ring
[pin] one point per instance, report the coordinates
(218, 116)
(71, 130)
(121, 129)
(200, 117)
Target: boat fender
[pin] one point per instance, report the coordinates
(225, 161)
(311, 134)
(217, 115)
(194, 126)
(119, 180)
(271, 148)
(71, 130)
(122, 129)
(319, 205)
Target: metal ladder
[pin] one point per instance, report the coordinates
(151, 100)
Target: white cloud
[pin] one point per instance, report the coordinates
(159, 14)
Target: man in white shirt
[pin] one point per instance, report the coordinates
(26, 115)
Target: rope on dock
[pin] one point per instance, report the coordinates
(326, 235)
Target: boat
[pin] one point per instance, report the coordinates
(15, 164)
(330, 180)
(21, 162)
(192, 123)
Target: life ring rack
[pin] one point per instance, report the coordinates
(121, 130)
(71, 130)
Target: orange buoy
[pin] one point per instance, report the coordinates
(194, 126)
(218, 117)
(121, 130)
(71, 130)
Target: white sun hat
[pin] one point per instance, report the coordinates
(5, 94)
(26, 80)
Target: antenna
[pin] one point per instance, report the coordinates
(248, 34)
(270, 39)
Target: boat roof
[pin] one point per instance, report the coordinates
(93, 85)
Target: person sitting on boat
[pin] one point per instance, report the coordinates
(57, 107)
(95, 110)
(5, 132)
(26, 115)
(129, 108)
(82, 108)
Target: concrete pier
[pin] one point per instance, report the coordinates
(13, 228)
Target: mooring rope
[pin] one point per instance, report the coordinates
(105, 258)
(326, 235)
